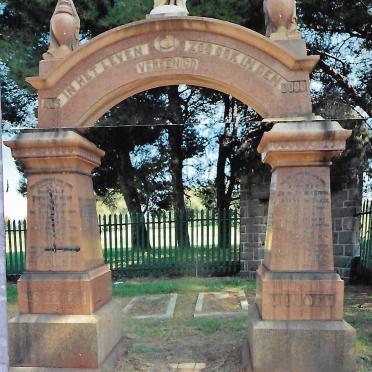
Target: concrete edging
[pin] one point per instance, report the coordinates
(168, 315)
(198, 313)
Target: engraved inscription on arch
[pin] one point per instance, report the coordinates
(182, 55)
(237, 58)
(99, 68)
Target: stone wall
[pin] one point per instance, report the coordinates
(346, 202)
(254, 202)
(255, 192)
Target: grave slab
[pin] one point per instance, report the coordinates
(169, 307)
(202, 312)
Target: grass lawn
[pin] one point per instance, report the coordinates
(182, 286)
(155, 345)
(358, 312)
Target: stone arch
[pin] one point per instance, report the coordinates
(271, 78)
(65, 273)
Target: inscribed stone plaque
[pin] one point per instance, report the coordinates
(53, 233)
(299, 234)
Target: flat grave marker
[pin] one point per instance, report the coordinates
(221, 304)
(141, 306)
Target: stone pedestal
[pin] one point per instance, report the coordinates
(66, 290)
(301, 346)
(67, 341)
(299, 296)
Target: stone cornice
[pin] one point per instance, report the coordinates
(66, 148)
(53, 141)
(303, 143)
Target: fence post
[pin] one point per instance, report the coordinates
(368, 236)
(235, 239)
(121, 243)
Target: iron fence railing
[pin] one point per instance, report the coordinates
(198, 243)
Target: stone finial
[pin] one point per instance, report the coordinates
(169, 8)
(64, 30)
(281, 19)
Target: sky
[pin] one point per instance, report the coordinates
(15, 205)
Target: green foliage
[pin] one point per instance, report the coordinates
(111, 203)
(210, 326)
(147, 350)
(353, 163)
(12, 293)
(359, 314)
(350, 166)
(340, 31)
(205, 326)
(121, 132)
(126, 130)
(14, 100)
(182, 286)
(247, 13)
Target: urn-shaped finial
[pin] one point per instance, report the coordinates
(64, 30)
(281, 19)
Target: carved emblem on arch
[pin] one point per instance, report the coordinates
(166, 44)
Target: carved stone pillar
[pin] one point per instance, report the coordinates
(65, 294)
(297, 323)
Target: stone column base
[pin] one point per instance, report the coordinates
(299, 296)
(74, 293)
(84, 342)
(294, 346)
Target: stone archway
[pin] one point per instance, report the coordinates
(65, 294)
(271, 78)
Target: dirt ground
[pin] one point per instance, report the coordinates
(155, 346)
(229, 301)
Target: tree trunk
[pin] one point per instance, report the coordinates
(224, 193)
(222, 203)
(222, 160)
(175, 134)
(139, 233)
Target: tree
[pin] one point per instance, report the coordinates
(184, 105)
(120, 131)
(97, 17)
(338, 30)
(24, 30)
